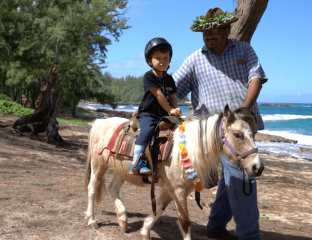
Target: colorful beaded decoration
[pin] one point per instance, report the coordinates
(190, 172)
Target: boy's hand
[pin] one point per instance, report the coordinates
(135, 113)
(176, 112)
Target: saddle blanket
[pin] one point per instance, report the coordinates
(122, 144)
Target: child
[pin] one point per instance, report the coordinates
(159, 98)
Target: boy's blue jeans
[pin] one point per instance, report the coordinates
(147, 129)
(231, 201)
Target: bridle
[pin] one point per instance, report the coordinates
(238, 156)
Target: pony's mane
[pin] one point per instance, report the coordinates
(204, 146)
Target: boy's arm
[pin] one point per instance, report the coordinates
(161, 99)
(173, 101)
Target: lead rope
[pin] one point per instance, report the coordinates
(244, 183)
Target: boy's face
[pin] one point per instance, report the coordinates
(159, 60)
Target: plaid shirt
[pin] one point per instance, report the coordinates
(216, 81)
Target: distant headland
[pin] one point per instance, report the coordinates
(277, 104)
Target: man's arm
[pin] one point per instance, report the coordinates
(252, 93)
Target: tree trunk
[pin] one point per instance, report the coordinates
(33, 98)
(44, 118)
(73, 110)
(3, 82)
(249, 13)
(12, 94)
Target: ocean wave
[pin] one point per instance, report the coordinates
(302, 139)
(283, 117)
(283, 149)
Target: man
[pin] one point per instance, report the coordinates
(224, 72)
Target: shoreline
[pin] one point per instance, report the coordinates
(260, 137)
(189, 104)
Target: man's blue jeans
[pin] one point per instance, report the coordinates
(231, 201)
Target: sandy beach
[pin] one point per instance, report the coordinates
(42, 195)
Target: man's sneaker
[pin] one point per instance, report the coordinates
(142, 168)
(224, 235)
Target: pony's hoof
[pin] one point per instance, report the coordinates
(123, 225)
(93, 226)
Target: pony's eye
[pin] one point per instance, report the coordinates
(238, 135)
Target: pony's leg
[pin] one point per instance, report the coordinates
(114, 188)
(180, 200)
(161, 203)
(94, 191)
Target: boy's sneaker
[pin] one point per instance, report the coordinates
(142, 168)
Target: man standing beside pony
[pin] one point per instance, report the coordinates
(224, 72)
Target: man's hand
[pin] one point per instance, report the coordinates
(176, 112)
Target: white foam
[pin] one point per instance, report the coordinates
(302, 139)
(283, 117)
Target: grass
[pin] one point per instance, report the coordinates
(8, 176)
(43, 185)
(264, 218)
(78, 121)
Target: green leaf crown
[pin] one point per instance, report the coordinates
(203, 23)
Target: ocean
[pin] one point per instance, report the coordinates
(289, 122)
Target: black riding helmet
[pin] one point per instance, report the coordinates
(154, 44)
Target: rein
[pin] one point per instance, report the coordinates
(238, 156)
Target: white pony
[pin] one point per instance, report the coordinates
(203, 142)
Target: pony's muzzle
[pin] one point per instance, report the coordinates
(257, 169)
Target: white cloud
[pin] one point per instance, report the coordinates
(137, 62)
(299, 92)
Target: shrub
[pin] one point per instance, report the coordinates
(14, 108)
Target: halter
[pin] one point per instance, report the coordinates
(238, 156)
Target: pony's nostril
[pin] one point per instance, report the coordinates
(255, 168)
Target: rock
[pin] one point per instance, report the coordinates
(303, 149)
(277, 104)
(262, 137)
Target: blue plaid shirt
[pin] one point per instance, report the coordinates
(215, 81)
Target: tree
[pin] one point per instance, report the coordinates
(79, 30)
(249, 13)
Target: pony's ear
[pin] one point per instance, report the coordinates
(229, 114)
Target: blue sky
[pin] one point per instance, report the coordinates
(281, 41)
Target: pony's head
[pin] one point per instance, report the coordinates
(239, 128)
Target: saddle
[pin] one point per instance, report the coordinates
(123, 139)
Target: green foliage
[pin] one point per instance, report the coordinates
(33, 34)
(82, 122)
(202, 22)
(126, 90)
(4, 97)
(14, 108)
(264, 218)
(8, 176)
